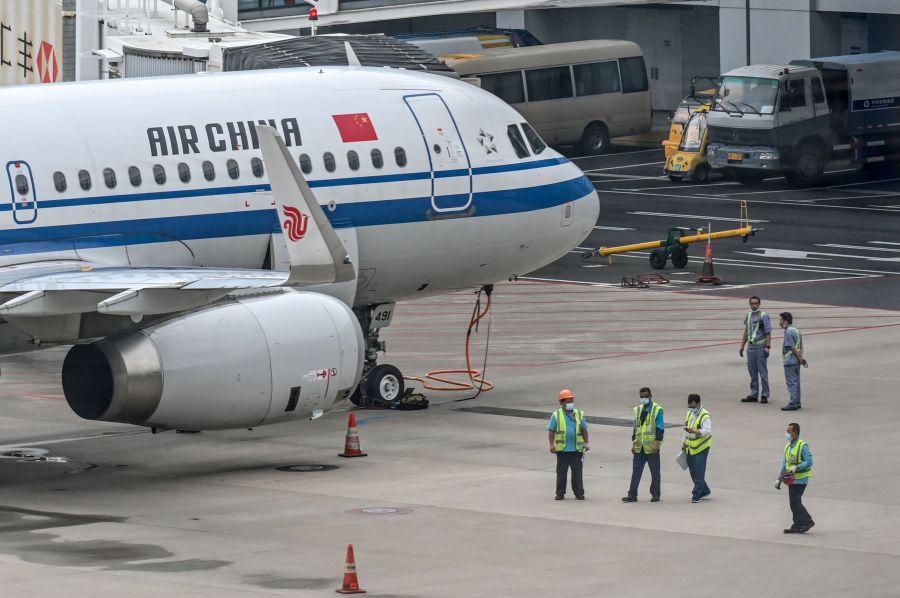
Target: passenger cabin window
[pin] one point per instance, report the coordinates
(134, 175)
(328, 158)
(59, 182)
(634, 75)
(400, 156)
(596, 78)
(817, 91)
(209, 171)
(518, 143)
(256, 166)
(109, 177)
(506, 86)
(159, 174)
(534, 140)
(234, 171)
(184, 172)
(548, 84)
(377, 159)
(84, 180)
(22, 184)
(794, 94)
(305, 164)
(353, 160)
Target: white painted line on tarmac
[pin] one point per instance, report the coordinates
(630, 177)
(774, 265)
(786, 282)
(656, 149)
(686, 187)
(626, 166)
(581, 282)
(612, 228)
(72, 439)
(884, 243)
(841, 186)
(785, 254)
(858, 247)
(594, 266)
(695, 216)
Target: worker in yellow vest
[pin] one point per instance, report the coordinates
(796, 469)
(646, 440)
(696, 443)
(568, 436)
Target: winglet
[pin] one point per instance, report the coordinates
(352, 58)
(316, 254)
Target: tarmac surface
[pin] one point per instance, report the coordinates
(457, 500)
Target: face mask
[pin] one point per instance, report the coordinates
(570, 406)
(788, 436)
(754, 309)
(695, 410)
(645, 401)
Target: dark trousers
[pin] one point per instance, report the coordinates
(697, 467)
(801, 515)
(564, 461)
(640, 459)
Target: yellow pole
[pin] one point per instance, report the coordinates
(605, 251)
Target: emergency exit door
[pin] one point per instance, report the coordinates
(451, 171)
(22, 193)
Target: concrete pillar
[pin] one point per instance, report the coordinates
(511, 19)
(87, 38)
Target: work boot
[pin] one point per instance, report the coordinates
(749, 399)
(764, 400)
(559, 497)
(579, 497)
(654, 499)
(629, 499)
(790, 408)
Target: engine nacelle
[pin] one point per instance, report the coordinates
(240, 364)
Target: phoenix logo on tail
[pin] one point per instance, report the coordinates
(295, 223)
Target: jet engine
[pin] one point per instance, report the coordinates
(239, 364)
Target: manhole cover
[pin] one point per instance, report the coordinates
(304, 468)
(381, 511)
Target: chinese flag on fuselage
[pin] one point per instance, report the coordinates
(355, 127)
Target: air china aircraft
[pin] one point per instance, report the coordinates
(222, 250)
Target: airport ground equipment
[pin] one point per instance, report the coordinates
(689, 161)
(674, 246)
(797, 118)
(682, 114)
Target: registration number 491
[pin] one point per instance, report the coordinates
(736, 156)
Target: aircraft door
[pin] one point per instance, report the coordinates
(22, 193)
(451, 171)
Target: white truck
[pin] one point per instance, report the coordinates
(795, 119)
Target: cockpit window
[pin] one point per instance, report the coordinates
(515, 137)
(534, 140)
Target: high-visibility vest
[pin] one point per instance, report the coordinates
(793, 455)
(559, 440)
(752, 330)
(701, 443)
(799, 345)
(645, 433)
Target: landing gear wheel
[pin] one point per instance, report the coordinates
(658, 259)
(680, 258)
(384, 384)
(701, 175)
(595, 139)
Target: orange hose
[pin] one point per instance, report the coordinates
(476, 381)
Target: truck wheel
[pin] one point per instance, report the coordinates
(658, 259)
(680, 258)
(807, 169)
(748, 178)
(700, 176)
(595, 139)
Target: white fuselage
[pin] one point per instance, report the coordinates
(462, 210)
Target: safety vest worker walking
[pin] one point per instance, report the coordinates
(796, 469)
(568, 436)
(697, 440)
(646, 440)
(758, 335)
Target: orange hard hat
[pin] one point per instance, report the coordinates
(566, 394)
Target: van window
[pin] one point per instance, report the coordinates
(353, 160)
(400, 156)
(209, 171)
(518, 143)
(184, 172)
(84, 179)
(134, 175)
(305, 164)
(22, 184)
(506, 86)
(549, 84)
(159, 174)
(59, 181)
(534, 140)
(377, 159)
(634, 75)
(109, 177)
(328, 158)
(256, 167)
(234, 170)
(596, 78)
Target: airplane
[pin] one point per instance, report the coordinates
(222, 250)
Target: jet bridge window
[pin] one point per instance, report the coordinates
(353, 160)
(22, 184)
(209, 171)
(59, 181)
(109, 177)
(234, 171)
(377, 159)
(305, 163)
(515, 137)
(184, 172)
(256, 167)
(328, 158)
(534, 140)
(134, 176)
(400, 156)
(84, 179)
(159, 174)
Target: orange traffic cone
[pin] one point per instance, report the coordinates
(351, 583)
(351, 443)
(708, 276)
